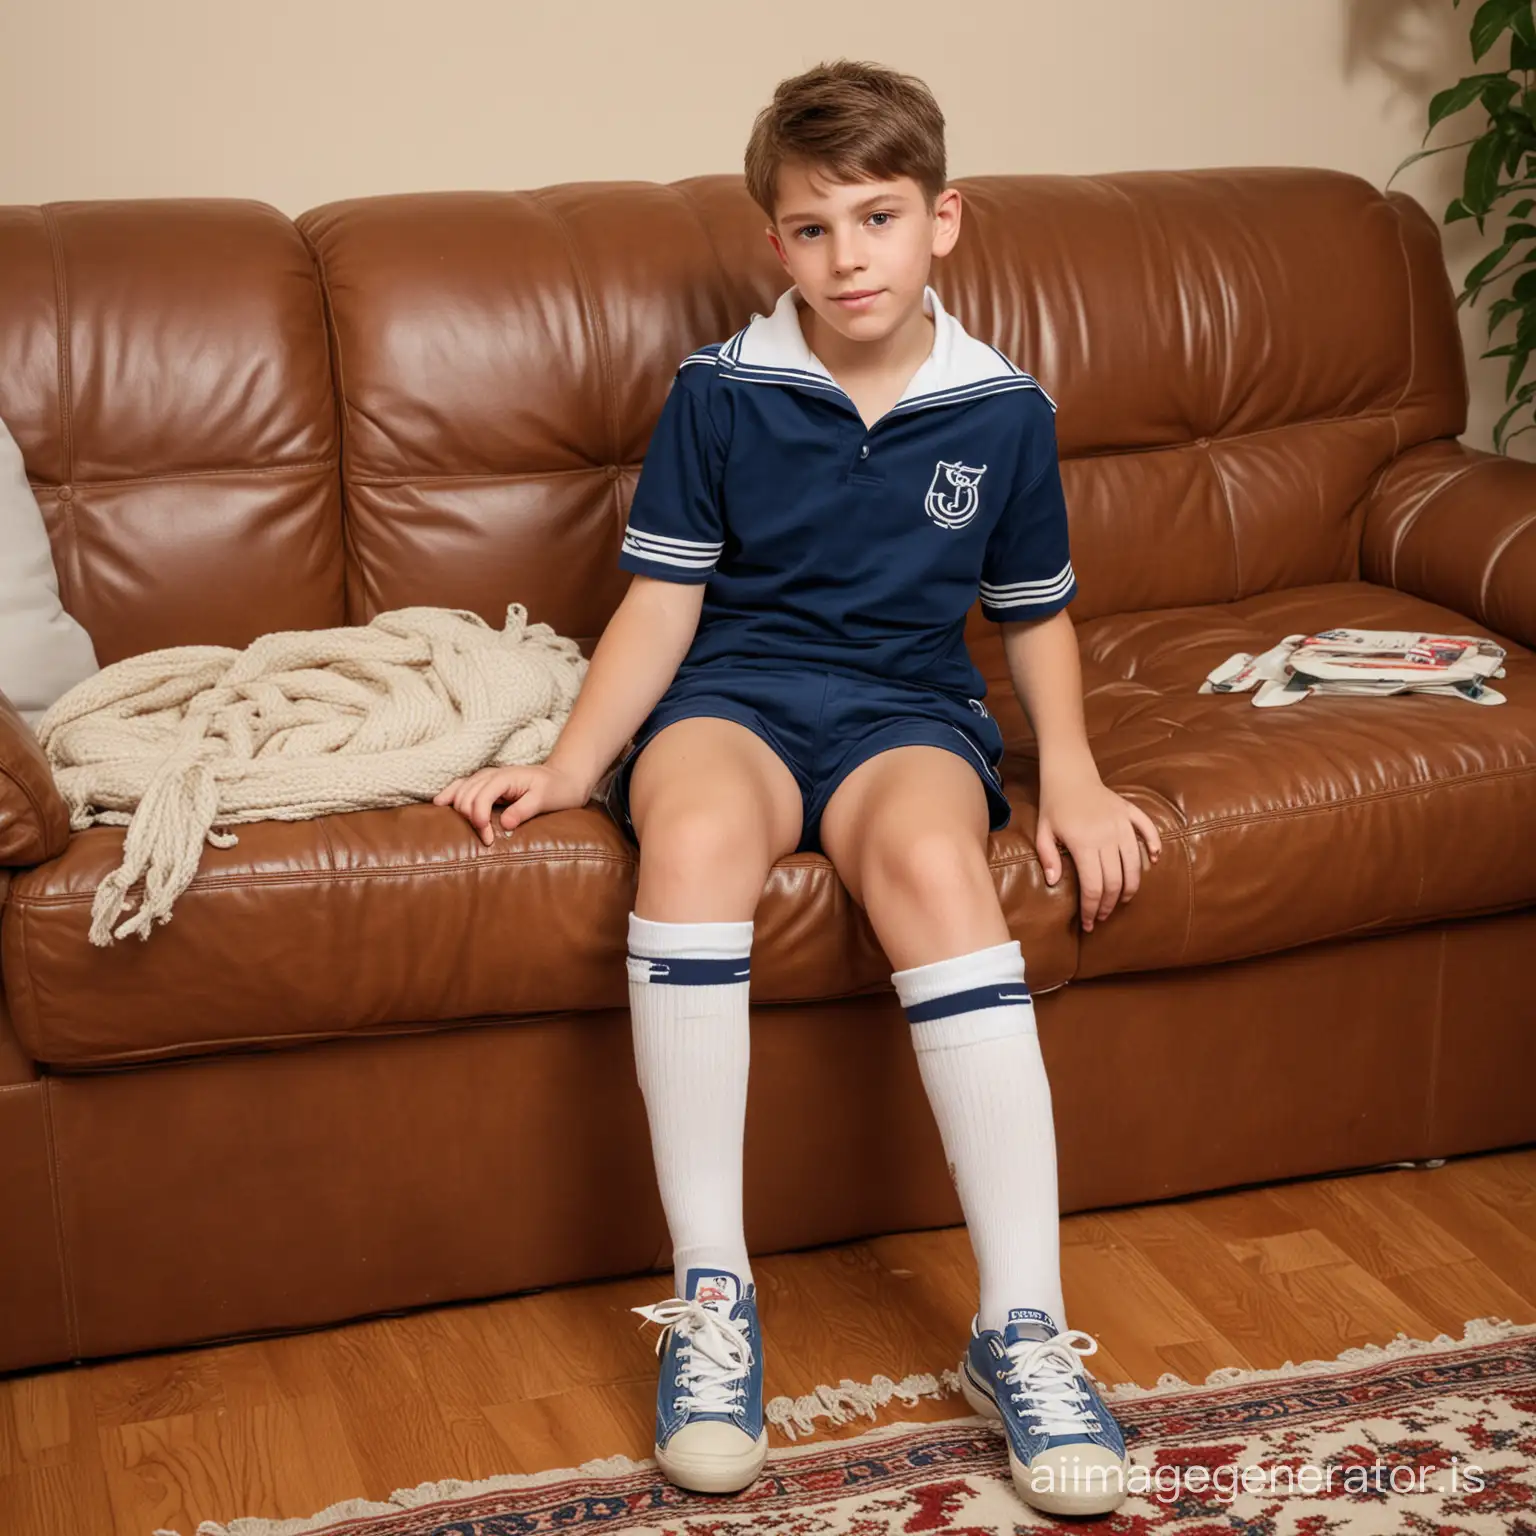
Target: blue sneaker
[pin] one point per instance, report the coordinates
(710, 1435)
(1065, 1449)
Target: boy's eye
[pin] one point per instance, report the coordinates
(815, 229)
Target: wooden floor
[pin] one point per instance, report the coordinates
(284, 1427)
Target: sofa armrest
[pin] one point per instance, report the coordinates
(1457, 526)
(34, 820)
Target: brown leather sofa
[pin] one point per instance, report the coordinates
(372, 1064)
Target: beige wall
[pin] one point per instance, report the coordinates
(301, 101)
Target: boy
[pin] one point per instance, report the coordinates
(823, 498)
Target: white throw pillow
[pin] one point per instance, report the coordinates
(43, 651)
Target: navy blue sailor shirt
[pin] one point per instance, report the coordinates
(828, 543)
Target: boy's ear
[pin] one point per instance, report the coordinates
(946, 221)
(777, 244)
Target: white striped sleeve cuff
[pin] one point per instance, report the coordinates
(672, 559)
(1028, 599)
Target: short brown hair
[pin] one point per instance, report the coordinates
(854, 121)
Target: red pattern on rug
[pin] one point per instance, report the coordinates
(1417, 1439)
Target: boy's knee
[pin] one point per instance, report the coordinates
(929, 862)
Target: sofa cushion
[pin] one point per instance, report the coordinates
(1279, 827)
(1333, 817)
(402, 920)
(164, 369)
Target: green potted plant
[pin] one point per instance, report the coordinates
(1501, 162)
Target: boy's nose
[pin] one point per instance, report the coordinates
(847, 255)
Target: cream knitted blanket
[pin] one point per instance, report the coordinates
(301, 723)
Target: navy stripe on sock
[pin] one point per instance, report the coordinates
(681, 971)
(996, 994)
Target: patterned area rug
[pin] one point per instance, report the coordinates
(1412, 1439)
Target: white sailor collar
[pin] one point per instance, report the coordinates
(771, 349)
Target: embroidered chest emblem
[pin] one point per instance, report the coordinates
(953, 494)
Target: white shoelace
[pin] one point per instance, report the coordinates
(716, 1354)
(1045, 1371)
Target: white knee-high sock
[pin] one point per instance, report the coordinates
(973, 1028)
(688, 985)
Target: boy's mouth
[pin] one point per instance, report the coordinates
(861, 299)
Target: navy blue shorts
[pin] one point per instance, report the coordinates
(822, 724)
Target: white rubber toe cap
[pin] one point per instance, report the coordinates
(711, 1456)
(1079, 1479)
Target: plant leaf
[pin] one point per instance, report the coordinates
(1420, 154)
(1482, 174)
(1478, 274)
(1493, 18)
(1458, 97)
(1498, 93)
(1516, 368)
(1519, 400)
(1497, 311)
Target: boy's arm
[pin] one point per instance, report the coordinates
(1027, 582)
(1078, 811)
(1047, 675)
(634, 663)
(673, 539)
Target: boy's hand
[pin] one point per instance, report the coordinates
(1098, 828)
(532, 789)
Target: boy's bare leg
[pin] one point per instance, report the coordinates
(907, 832)
(714, 807)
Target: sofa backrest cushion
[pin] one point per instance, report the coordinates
(1235, 354)
(164, 368)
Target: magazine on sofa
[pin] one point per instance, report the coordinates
(1364, 661)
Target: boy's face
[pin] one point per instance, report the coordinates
(839, 240)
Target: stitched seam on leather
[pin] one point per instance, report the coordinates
(61, 1243)
(330, 848)
(22, 993)
(1497, 554)
(66, 570)
(1437, 1045)
(215, 473)
(26, 994)
(214, 1049)
(1290, 813)
(61, 338)
(350, 553)
(1226, 496)
(594, 319)
(1412, 515)
(1413, 347)
(487, 477)
(323, 877)
(507, 477)
(1224, 438)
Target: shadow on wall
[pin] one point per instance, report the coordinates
(1421, 47)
